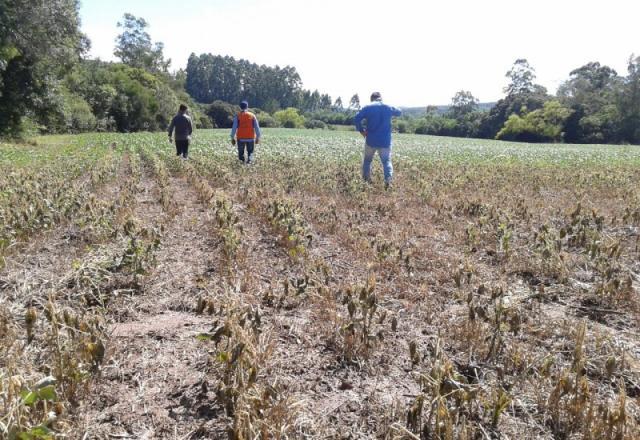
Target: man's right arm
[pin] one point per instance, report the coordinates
(234, 128)
(171, 126)
(358, 120)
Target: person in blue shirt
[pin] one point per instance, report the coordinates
(377, 135)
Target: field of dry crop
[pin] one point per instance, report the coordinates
(493, 293)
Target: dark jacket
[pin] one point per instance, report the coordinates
(182, 124)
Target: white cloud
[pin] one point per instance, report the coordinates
(414, 52)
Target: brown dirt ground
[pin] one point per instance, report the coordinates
(157, 382)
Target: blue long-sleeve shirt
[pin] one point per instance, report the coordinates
(234, 128)
(378, 116)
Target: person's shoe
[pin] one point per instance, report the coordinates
(388, 186)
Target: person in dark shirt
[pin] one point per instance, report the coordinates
(183, 128)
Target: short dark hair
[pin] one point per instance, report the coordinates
(183, 108)
(244, 105)
(375, 96)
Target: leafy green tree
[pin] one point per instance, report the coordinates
(126, 98)
(222, 113)
(628, 103)
(332, 117)
(463, 103)
(78, 115)
(337, 105)
(431, 110)
(290, 118)
(436, 125)
(522, 95)
(311, 101)
(266, 120)
(464, 110)
(590, 92)
(401, 125)
(540, 125)
(271, 105)
(354, 102)
(314, 123)
(521, 76)
(325, 102)
(214, 77)
(39, 43)
(134, 46)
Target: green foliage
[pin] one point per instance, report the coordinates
(541, 125)
(45, 87)
(210, 78)
(315, 123)
(204, 122)
(289, 118)
(435, 125)
(600, 127)
(134, 46)
(126, 98)
(337, 105)
(493, 121)
(354, 102)
(522, 94)
(521, 76)
(266, 120)
(47, 393)
(222, 114)
(314, 101)
(590, 93)
(462, 104)
(332, 117)
(629, 103)
(401, 126)
(78, 114)
(39, 41)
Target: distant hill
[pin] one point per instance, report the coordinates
(441, 109)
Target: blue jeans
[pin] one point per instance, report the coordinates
(385, 158)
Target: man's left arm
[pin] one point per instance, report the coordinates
(256, 128)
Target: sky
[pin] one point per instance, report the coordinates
(416, 53)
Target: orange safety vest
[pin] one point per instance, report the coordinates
(245, 126)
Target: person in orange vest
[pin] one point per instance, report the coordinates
(246, 131)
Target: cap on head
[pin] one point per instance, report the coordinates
(244, 105)
(183, 108)
(376, 96)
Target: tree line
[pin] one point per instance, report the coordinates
(48, 85)
(594, 105)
